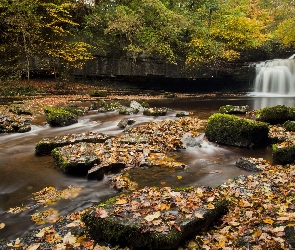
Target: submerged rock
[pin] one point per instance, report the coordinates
(154, 218)
(125, 123)
(247, 164)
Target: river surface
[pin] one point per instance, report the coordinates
(22, 173)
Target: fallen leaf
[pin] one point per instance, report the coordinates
(153, 216)
(210, 206)
(121, 202)
(69, 238)
(33, 246)
(198, 215)
(2, 225)
(179, 177)
(268, 221)
(101, 213)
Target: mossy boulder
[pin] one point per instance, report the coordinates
(234, 131)
(59, 117)
(76, 159)
(154, 218)
(46, 145)
(276, 115)
(289, 126)
(98, 93)
(230, 109)
(11, 123)
(283, 153)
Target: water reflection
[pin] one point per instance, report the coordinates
(272, 100)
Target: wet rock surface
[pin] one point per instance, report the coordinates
(154, 218)
(46, 145)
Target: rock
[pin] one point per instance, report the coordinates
(182, 113)
(230, 109)
(283, 153)
(98, 93)
(155, 111)
(234, 131)
(125, 122)
(289, 126)
(59, 117)
(76, 159)
(169, 95)
(246, 164)
(97, 172)
(276, 115)
(154, 218)
(46, 145)
(290, 235)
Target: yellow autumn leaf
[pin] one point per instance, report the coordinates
(257, 233)
(121, 202)
(179, 177)
(268, 221)
(2, 225)
(210, 206)
(244, 203)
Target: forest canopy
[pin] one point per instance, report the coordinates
(64, 34)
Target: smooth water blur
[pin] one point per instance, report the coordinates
(22, 173)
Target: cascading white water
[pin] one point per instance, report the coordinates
(275, 77)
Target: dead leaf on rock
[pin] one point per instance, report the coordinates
(153, 216)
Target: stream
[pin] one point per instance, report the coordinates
(22, 173)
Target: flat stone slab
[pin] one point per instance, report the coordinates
(46, 145)
(154, 218)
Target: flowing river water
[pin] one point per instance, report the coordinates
(22, 173)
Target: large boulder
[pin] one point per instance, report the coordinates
(276, 115)
(283, 153)
(46, 145)
(154, 218)
(234, 131)
(59, 117)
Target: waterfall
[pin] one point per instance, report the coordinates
(275, 77)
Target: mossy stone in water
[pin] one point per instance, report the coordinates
(234, 131)
(59, 117)
(153, 218)
(289, 126)
(46, 145)
(283, 155)
(276, 115)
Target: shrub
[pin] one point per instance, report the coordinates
(235, 131)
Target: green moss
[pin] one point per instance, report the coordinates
(290, 126)
(283, 155)
(57, 117)
(235, 131)
(98, 93)
(276, 115)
